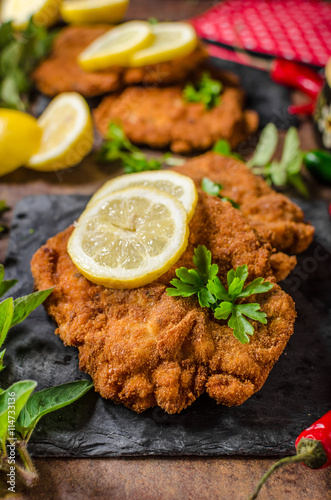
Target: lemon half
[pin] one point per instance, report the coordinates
(67, 133)
(20, 137)
(115, 47)
(93, 11)
(129, 238)
(44, 12)
(172, 41)
(178, 185)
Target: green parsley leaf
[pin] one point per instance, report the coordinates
(207, 91)
(118, 147)
(211, 293)
(215, 189)
(23, 306)
(202, 260)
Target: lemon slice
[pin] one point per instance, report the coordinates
(67, 133)
(93, 11)
(115, 47)
(44, 12)
(20, 137)
(129, 238)
(172, 41)
(178, 185)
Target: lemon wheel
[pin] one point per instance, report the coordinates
(172, 41)
(178, 185)
(115, 47)
(129, 238)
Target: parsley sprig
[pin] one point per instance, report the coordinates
(203, 282)
(118, 147)
(288, 169)
(215, 189)
(207, 91)
(20, 52)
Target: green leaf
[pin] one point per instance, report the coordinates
(6, 285)
(202, 260)
(10, 92)
(241, 327)
(224, 310)
(278, 174)
(49, 400)
(205, 298)
(211, 187)
(2, 353)
(235, 288)
(291, 146)
(6, 315)
(23, 306)
(257, 286)
(230, 200)
(207, 91)
(266, 147)
(216, 288)
(297, 182)
(253, 311)
(181, 289)
(6, 34)
(16, 395)
(189, 276)
(223, 148)
(3, 207)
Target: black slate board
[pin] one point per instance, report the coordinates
(296, 393)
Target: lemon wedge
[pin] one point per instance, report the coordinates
(20, 137)
(67, 133)
(93, 11)
(129, 238)
(115, 47)
(178, 185)
(172, 41)
(44, 12)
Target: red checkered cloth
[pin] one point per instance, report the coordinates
(298, 30)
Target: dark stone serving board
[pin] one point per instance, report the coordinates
(297, 392)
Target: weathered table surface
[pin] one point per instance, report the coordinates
(155, 478)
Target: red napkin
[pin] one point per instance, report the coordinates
(298, 30)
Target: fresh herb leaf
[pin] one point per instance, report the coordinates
(23, 306)
(20, 53)
(153, 20)
(207, 91)
(288, 169)
(215, 189)
(6, 315)
(46, 401)
(222, 147)
(20, 392)
(211, 293)
(266, 147)
(5, 285)
(118, 147)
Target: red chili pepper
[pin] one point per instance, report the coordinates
(313, 447)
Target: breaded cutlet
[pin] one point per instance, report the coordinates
(161, 118)
(273, 215)
(144, 348)
(60, 72)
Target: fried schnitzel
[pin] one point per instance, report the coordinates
(144, 348)
(273, 215)
(160, 118)
(60, 72)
